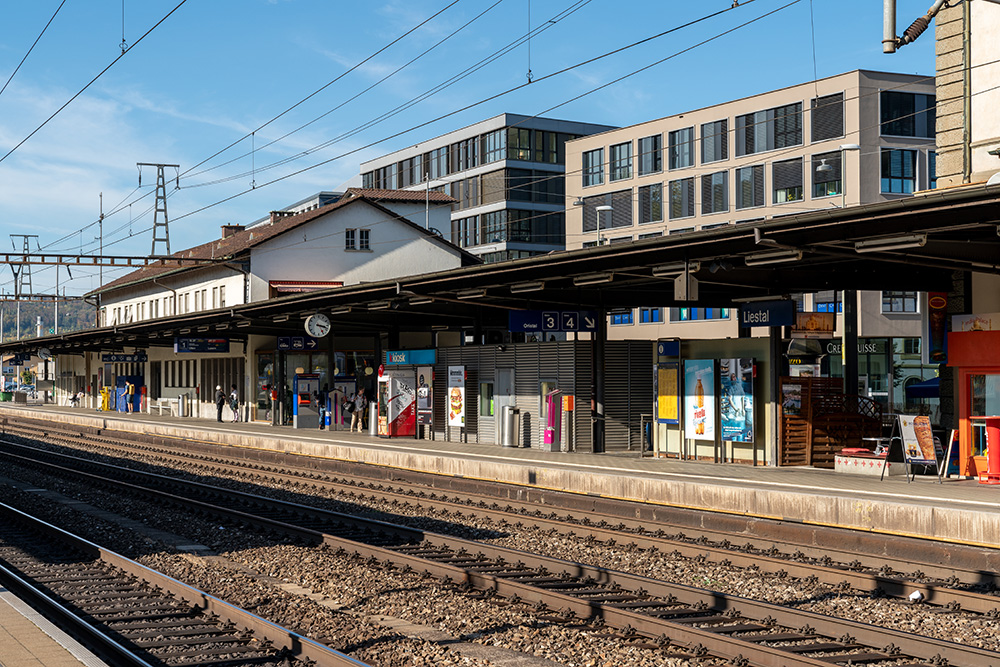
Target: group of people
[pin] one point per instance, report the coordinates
(233, 399)
(355, 405)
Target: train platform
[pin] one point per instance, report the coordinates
(957, 510)
(28, 639)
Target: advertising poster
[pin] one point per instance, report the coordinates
(699, 399)
(456, 395)
(791, 399)
(736, 405)
(937, 329)
(425, 394)
(918, 440)
(667, 398)
(814, 325)
(401, 407)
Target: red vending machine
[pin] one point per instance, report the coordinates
(397, 407)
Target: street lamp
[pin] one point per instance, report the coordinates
(601, 209)
(825, 168)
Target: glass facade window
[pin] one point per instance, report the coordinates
(651, 203)
(827, 182)
(350, 239)
(494, 146)
(786, 178)
(715, 193)
(767, 130)
(593, 167)
(899, 170)
(650, 315)
(620, 317)
(750, 186)
(518, 144)
(695, 314)
(620, 158)
(715, 141)
(546, 147)
(680, 148)
(907, 114)
(681, 198)
(364, 239)
(651, 155)
(932, 170)
(899, 302)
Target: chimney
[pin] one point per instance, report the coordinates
(229, 230)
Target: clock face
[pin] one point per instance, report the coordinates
(317, 325)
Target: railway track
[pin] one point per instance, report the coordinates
(741, 630)
(942, 575)
(132, 616)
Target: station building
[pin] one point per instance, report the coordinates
(852, 139)
(321, 243)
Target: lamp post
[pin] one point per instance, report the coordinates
(601, 209)
(824, 168)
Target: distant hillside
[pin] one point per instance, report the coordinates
(73, 316)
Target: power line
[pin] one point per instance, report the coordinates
(32, 47)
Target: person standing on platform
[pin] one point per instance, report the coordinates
(220, 401)
(321, 403)
(358, 416)
(234, 403)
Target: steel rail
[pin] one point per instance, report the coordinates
(296, 644)
(449, 567)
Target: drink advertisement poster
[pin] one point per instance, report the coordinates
(425, 394)
(736, 405)
(456, 395)
(699, 399)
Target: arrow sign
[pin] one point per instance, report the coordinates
(588, 321)
(311, 343)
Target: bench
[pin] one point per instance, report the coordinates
(161, 404)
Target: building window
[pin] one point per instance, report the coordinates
(826, 182)
(650, 315)
(899, 302)
(827, 117)
(680, 147)
(651, 203)
(750, 186)
(932, 170)
(518, 144)
(621, 316)
(828, 302)
(715, 193)
(364, 239)
(907, 114)
(899, 170)
(681, 198)
(222, 296)
(486, 399)
(650, 235)
(715, 141)
(779, 127)
(593, 167)
(494, 146)
(350, 239)
(651, 155)
(694, 314)
(786, 179)
(619, 216)
(620, 156)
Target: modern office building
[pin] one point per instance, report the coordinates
(506, 174)
(855, 138)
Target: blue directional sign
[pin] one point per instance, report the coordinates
(554, 320)
(201, 345)
(286, 343)
(139, 358)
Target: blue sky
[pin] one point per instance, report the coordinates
(215, 71)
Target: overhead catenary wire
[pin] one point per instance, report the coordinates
(32, 47)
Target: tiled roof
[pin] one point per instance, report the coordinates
(241, 242)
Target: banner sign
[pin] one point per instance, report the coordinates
(768, 314)
(814, 325)
(699, 399)
(736, 407)
(554, 320)
(667, 394)
(139, 358)
(456, 396)
(201, 345)
(410, 357)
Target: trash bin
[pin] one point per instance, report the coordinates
(511, 431)
(6, 396)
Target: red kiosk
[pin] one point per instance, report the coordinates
(974, 352)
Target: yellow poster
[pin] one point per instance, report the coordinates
(667, 403)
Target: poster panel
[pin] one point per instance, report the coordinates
(736, 404)
(667, 395)
(456, 395)
(699, 399)
(918, 440)
(814, 325)
(425, 394)
(791, 399)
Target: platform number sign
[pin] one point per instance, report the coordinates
(550, 321)
(570, 321)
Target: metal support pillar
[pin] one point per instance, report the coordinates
(850, 346)
(597, 380)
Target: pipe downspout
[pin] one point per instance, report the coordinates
(966, 92)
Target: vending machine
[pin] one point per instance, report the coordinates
(397, 407)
